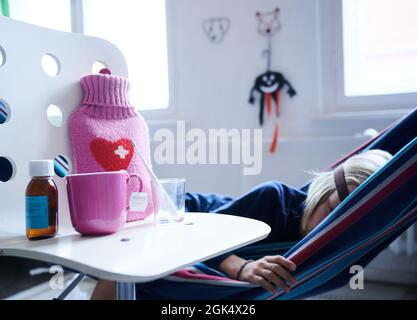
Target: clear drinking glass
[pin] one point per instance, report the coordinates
(175, 188)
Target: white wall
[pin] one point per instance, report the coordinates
(212, 84)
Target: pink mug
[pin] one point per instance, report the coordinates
(98, 201)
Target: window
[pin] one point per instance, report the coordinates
(54, 14)
(138, 29)
(368, 56)
(379, 47)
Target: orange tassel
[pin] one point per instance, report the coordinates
(277, 96)
(268, 103)
(274, 143)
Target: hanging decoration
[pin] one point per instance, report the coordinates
(269, 84)
(216, 28)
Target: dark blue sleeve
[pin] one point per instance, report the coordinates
(204, 202)
(278, 205)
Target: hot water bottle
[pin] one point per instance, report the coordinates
(107, 134)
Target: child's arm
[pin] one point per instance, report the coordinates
(269, 272)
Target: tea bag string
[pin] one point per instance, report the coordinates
(171, 206)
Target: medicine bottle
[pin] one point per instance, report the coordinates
(41, 201)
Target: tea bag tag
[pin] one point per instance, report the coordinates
(138, 201)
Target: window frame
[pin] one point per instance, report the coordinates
(331, 70)
(77, 26)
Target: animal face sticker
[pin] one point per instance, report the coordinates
(216, 28)
(268, 22)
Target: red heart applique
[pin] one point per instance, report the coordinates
(112, 156)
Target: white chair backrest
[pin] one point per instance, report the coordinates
(27, 91)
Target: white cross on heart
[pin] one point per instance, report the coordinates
(121, 152)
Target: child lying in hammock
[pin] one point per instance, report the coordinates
(291, 214)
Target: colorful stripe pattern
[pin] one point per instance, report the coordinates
(4, 113)
(364, 224)
(62, 166)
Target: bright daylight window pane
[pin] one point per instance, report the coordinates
(54, 14)
(138, 29)
(380, 46)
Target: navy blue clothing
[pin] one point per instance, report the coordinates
(277, 204)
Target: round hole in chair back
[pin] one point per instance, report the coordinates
(2, 56)
(7, 169)
(4, 112)
(50, 64)
(97, 67)
(62, 166)
(55, 115)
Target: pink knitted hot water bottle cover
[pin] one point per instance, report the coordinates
(107, 133)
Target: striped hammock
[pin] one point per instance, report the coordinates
(364, 224)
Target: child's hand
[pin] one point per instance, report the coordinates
(270, 272)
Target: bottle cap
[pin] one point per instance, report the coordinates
(41, 168)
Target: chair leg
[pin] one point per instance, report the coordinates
(71, 286)
(125, 291)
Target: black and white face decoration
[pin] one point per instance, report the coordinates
(268, 85)
(269, 82)
(216, 28)
(268, 22)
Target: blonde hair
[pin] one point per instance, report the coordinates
(357, 169)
